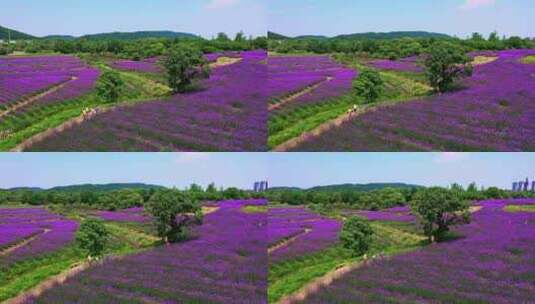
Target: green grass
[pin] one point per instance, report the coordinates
(255, 209)
(520, 208)
(289, 124)
(530, 59)
(37, 118)
(124, 239)
(289, 276)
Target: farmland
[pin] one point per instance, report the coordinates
(227, 250)
(490, 111)
(493, 251)
(47, 99)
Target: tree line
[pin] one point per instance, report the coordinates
(395, 48)
(382, 198)
(135, 49)
(116, 199)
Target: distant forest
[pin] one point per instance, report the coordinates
(393, 45)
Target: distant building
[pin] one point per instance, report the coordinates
(260, 186)
(523, 186)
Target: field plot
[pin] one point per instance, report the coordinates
(293, 232)
(228, 114)
(27, 233)
(492, 261)
(395, 214)
(493, 110)
(62, 77)
(225, 263)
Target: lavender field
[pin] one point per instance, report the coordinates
(227, 114)
(491, 262)
(225, 263)
(492, 111)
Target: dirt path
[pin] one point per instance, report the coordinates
(294, 96)
(64, 126)
(48, 284)
(23, 243)
(318, 283)
(223, 61)
(34, 98)
(287, 241)
(326, 126)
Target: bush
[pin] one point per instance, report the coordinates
(356, 235)
(92, 237)
(369, 85)
(183, 65)
(444, 64)
(110, 85)
(438, 209)
(174, 211)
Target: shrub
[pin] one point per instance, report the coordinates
(183, 65)
(356, 235)
(438, 209)
(444, 64)
(92, 237)
(110, 85)
(369, 85)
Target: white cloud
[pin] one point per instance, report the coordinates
(217, 4)
(191, 157)
(473, 4)
(450, 157)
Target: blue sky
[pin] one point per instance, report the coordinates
(454, 17)
(169, 169)
(442, 169)
(281, 169)
(79, 17)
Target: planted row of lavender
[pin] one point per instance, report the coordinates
(22, 77)
(226, 263)
(493, 111)
(127, 215)
(51, 233)
(149, 65)
(228, 114)
(313, 232)
(409, 64)
(293, 74)
(491, 263)
(395, 214)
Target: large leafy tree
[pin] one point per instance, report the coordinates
(369, 85)
(92, 237)
(356, 235)
(438, 209)
(183, 65)
(110, 86)
(444, 64)
(174, 212)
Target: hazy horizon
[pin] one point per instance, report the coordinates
(77, 18)
(304, 170)
(452, 17)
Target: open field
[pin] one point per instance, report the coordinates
(225, 261)
(491, 111)
(489, 260)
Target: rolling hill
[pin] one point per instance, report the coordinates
(15, 35)
(350, 187)
(91, 187)
(363, 36)
(139, 35)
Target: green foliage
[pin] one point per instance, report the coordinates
(445, 63)
(356, 235)
(438, 209)
(183, 65)
(530, 59)
(369, 85)
(174, 211)
(110, 86)
(92, 237)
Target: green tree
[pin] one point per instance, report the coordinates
(438, 209)
(174, 211)
(369, 85)
(356, 235)
(445, 63)
(110, 85)
(92, 237)
(183, 65)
